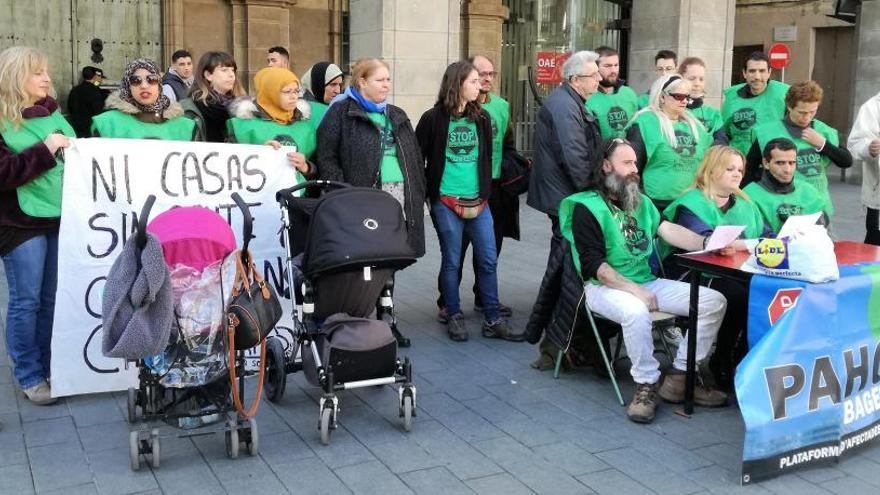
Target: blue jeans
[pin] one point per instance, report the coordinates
(31, 273)
(450, 228)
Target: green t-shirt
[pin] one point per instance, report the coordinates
(670, 171)
(710, 117)
(741, 114)
(743, 212)
(613, 111)
(120, 125)
(40, 197)
(643, 100)
(318, 111)
(499, 113)
(776, 208)
(811, 165)
(390, 168)
(257, 131)
(629, 240)
(461, 174)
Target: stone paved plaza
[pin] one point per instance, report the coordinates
(487, 422)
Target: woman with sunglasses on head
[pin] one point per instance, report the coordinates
(214, 87)
(456, 140)
(276, 117)
(32, 134)
(715, 200)
(139, 110)
(693, 69)
(668, 140)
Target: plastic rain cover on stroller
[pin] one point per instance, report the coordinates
(198, 246)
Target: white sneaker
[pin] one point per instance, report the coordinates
(40, 394)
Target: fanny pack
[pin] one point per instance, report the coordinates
(465, 208)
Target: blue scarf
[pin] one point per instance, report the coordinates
(351, 93)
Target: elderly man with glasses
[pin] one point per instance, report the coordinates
(567, 141)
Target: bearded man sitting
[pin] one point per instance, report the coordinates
(611, 229)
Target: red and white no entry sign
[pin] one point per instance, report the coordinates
(780, 55)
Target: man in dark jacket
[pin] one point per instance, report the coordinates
(179, 78)
(86, 100)
(566, 144)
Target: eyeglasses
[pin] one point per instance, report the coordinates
(594, 75)
(680, 97)
(292, 92)
(151, 79)
(491, 74)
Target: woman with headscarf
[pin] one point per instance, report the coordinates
(322, 82)
(32, 134)
(214, 87)
(276, 117)
(139, 110)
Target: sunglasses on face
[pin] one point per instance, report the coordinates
(680, 97)
(151, 79)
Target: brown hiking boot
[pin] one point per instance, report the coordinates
(673, 386)
(644, 404)
(456, 329)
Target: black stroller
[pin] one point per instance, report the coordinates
(187, 385)
(343, 249)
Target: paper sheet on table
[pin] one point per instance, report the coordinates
(797, 223)
(721, 237)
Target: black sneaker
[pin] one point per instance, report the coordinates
(503, 311)
(500, 329)
(456, 329)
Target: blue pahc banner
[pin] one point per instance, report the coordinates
(809, 389)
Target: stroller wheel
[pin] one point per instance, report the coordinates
(134, 453)
(276, 372)
(253, 443)
(132, 405)
(326, 417)
(154, 447)
(407, 412)
(232, 439)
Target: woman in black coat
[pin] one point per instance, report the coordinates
(367, 142)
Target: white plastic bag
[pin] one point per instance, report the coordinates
(807, 254)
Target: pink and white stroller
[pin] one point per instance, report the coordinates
(188, 384)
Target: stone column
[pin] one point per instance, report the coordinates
(418, 39)
(258, 25)
(867, 44)
(481, 29)
(690, 28)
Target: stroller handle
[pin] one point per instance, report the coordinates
(286, 194)
(142, 221)
(247, 223)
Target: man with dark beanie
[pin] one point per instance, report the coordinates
(86, 100)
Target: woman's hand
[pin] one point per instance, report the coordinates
(298, 160)
(55, 141)
(811, 136)
(737, 245)
(273, 143)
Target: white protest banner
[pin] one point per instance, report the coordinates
(106, 182)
